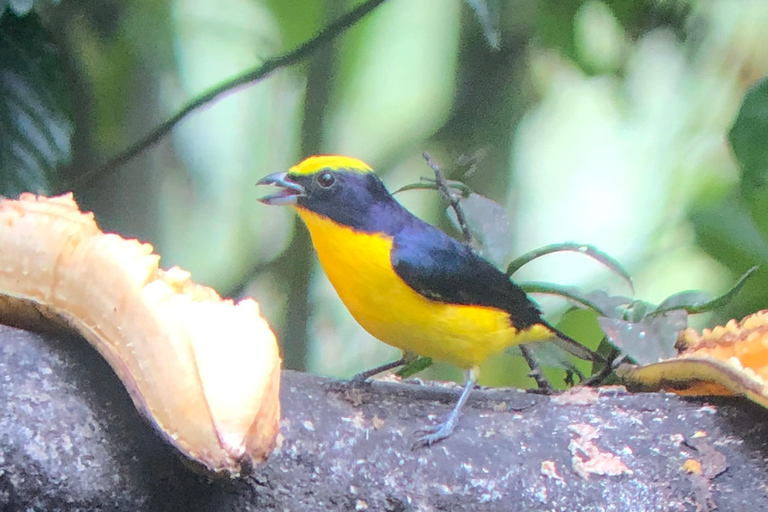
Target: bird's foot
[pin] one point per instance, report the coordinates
(359, 379)
(434, 434)
(356, 384)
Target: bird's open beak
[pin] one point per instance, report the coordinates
(288, 193)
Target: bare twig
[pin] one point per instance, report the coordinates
(445, 191)
(536, 373)
(305, 50)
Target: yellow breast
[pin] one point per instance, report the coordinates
(358, 266)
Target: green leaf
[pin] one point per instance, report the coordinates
(749, 133)
(755, 202)
(35, 118)
(648, 340)
(568, 292)
(414, 367)
(487, 13)
(586, 249)
(489, 226)
(729, 234)
(683, 300)
(612, 306)
(677, 302)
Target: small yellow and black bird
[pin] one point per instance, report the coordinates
(405, 281)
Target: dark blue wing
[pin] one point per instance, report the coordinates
(442, 269)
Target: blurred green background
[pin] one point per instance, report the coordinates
(600, 122)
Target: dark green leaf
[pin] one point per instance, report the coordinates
(729, 233)
(710, 305)
(755, 201)
(749, 134)
(648, 340)
(35, 117)
(585, 249)
(487, 13)
(684, 300)
(567, 292)
(414, 367)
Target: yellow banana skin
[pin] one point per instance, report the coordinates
(204, 371)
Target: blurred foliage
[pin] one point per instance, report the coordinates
(734, 229)
(35, 107)
(748, 137)
(487, 12)
(606, 122)
(21, 7)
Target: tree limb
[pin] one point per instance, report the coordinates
(70, 438)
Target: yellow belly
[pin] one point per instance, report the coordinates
(358, 266)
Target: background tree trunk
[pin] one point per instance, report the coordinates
(70, 439)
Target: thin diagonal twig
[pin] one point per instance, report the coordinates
(536, 372)
(303, 51)
(445, 191)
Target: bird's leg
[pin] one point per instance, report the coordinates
(361, 377)
(432, 435)
(536, 373)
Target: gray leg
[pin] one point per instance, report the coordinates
(432, 435)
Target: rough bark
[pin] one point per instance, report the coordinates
(70, 439)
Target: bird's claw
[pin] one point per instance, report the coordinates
(434, 434)
(359, 379)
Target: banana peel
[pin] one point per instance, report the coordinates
(204, 371)
(728, 360)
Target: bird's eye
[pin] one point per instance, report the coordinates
(325, 179)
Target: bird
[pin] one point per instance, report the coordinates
(406, 282)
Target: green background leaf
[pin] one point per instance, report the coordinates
(749, 135)
(35, 118)
(487, 13)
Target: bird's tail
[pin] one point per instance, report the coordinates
(572, 346)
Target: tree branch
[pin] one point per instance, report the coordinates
(303, 51)
(70, 438)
